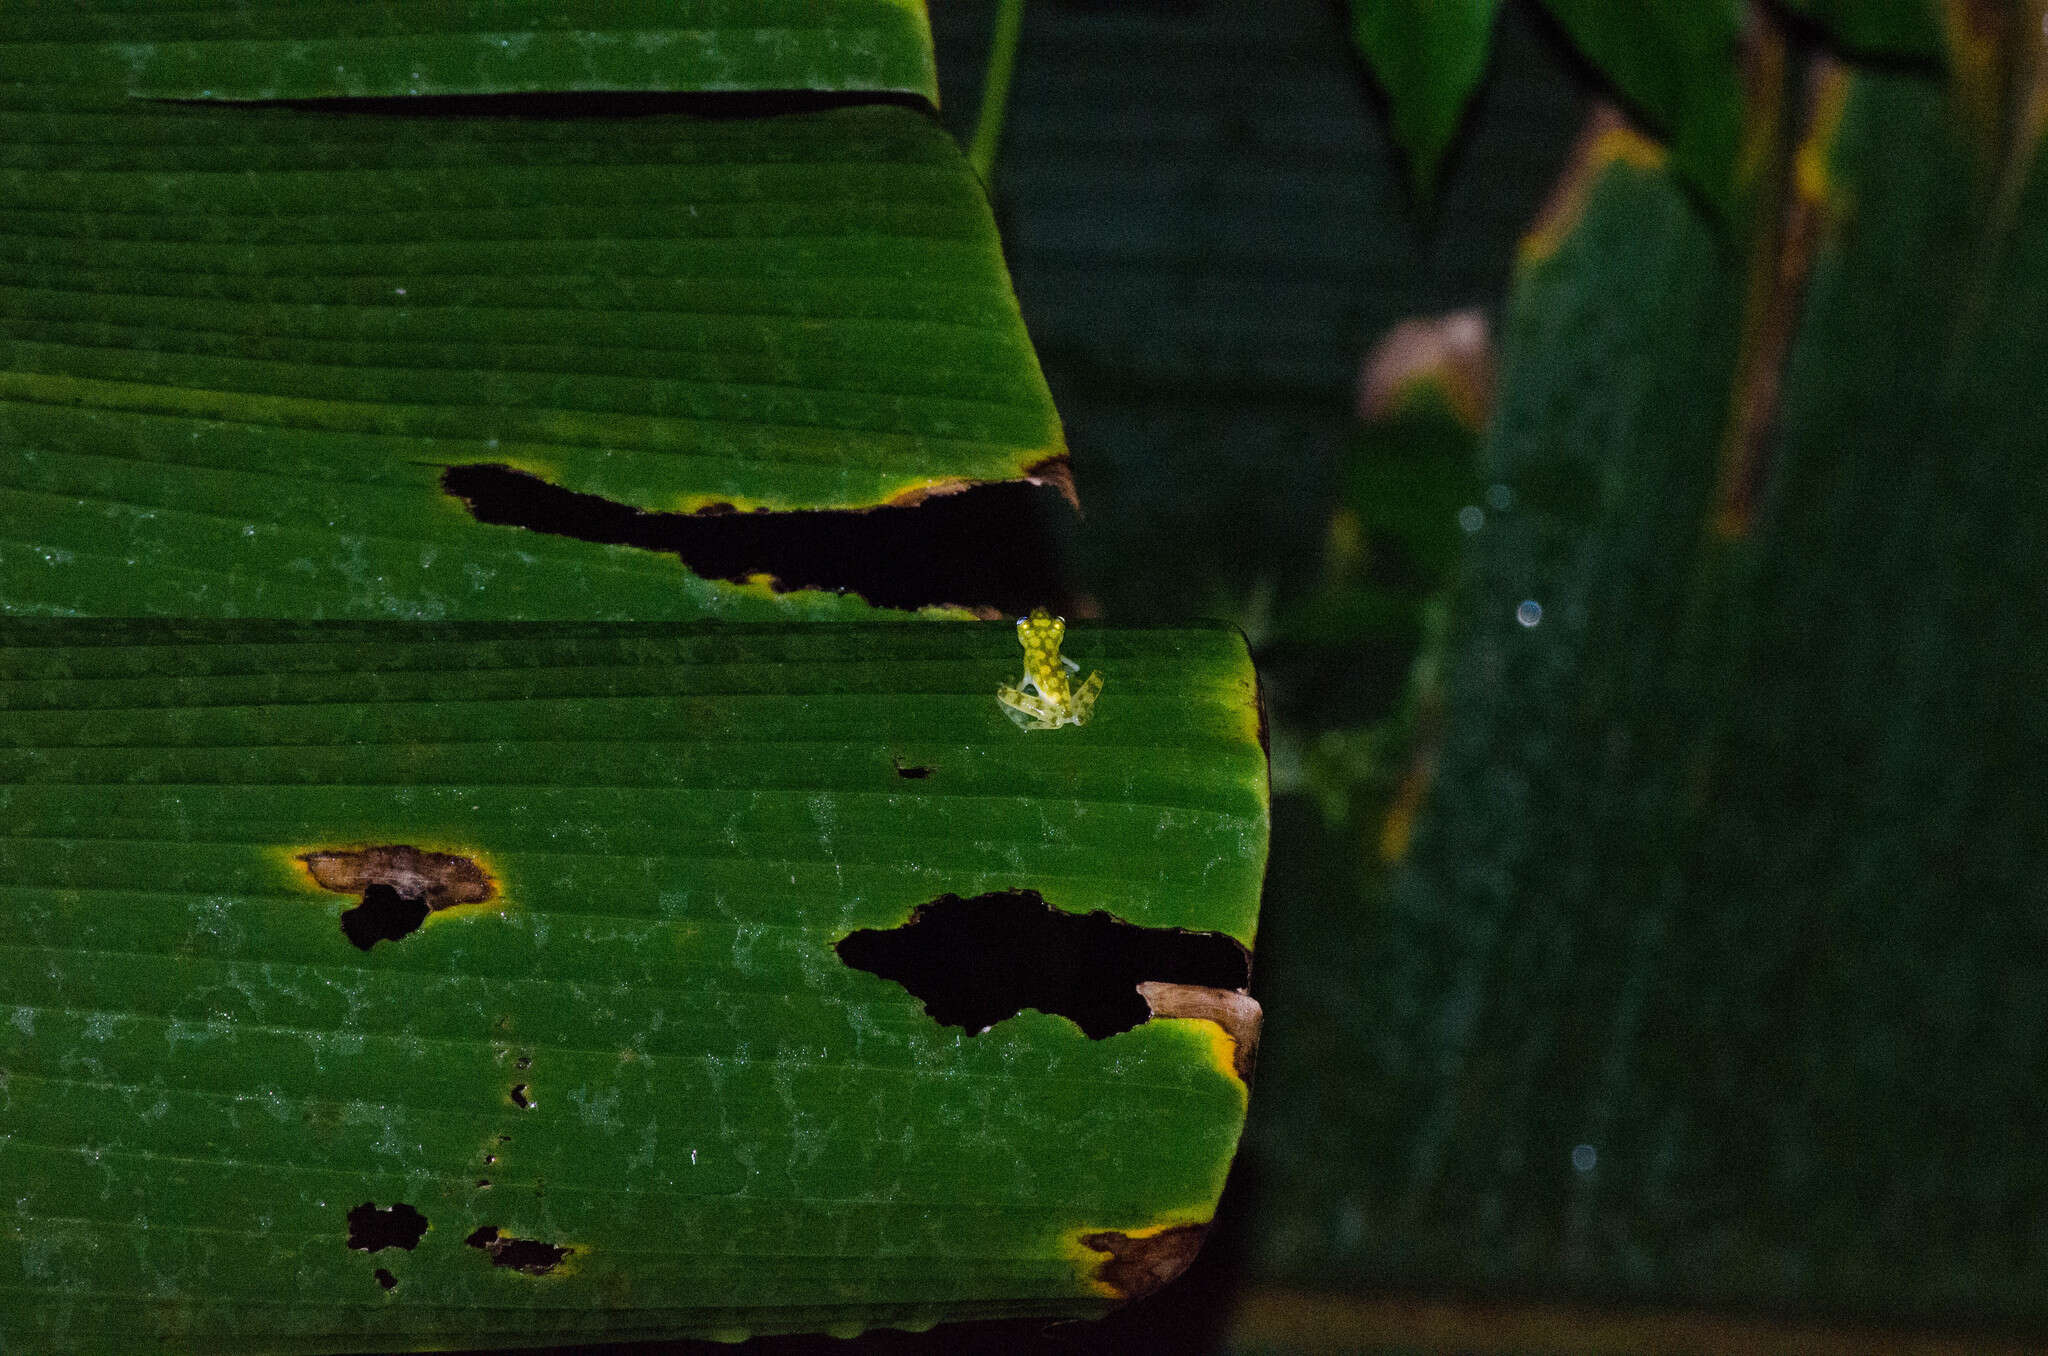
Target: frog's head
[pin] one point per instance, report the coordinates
(1042, 627)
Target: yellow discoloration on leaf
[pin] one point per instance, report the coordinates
(734, 503)
(1606, 141)
(758, 585)
(1778, 274)
(1973, 30)
(2032, 83)
(1043, 699)
(1397, 830)
(1218, 1044)
(1224, 1021)
(1813, 177)
(765, 586)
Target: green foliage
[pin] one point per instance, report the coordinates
(1719, 924)
(242, 345)
(1428, 55)
(568, 991)
(1884, 28)
(1357, 660)
(1675, 62)
(643, 1047)
(169, 49)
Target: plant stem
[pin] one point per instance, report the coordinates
(995, 89)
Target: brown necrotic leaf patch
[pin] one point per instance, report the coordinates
(399, 885)
(528, 1256)
(1135, 1267)
(984, 546)
(978, 961)
(1239, 1014)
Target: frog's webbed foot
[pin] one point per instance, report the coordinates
(1028, 711)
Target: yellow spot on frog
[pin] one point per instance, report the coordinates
(1043, 699)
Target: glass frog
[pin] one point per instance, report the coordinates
(1042, 698)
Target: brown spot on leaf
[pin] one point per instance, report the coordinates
(1136, 1267)
(1238, 1013)
(399, 884)
(917, 494)
(529, 1256)
(440, 880)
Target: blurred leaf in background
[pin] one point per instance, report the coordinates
(1675, 63)
(1910, 29)
(1202, 277)
(1429, 57)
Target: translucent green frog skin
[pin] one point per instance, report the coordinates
(1043, 699)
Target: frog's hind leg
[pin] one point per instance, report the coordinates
(1028, 711)
(1082, 704)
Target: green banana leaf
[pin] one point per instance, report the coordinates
(331, 48)
(1711, 976)
(1428, 57)
(1675, 61)
(622, 1071)
(245, 353)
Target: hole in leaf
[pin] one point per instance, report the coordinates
(987, 546)
(915, 772)
(523, 1062)
(384, 916)
(399, 884)
(373, 1230)
(528, 1255)
(975, 962)
(519, 1097)
(385, 1279)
